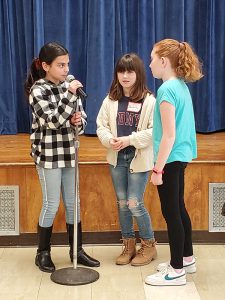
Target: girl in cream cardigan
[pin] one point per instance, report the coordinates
(124, 127)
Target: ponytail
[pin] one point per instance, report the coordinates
(183, 59)
(35, 73)
(189, 67)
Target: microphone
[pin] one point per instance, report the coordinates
(80, 91)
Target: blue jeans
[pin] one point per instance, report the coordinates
(53, 182)
(129, 189)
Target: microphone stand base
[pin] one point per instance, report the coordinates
(71, 276)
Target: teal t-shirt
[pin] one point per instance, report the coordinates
(176, 92)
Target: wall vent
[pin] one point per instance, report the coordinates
(216, 201)
(9, 210)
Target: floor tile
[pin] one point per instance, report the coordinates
(185, 292)
(19, 279)
(22, 280)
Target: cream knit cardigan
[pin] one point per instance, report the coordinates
(141, 140)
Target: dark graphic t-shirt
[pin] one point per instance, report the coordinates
(128, 116)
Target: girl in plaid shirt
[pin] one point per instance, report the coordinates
(53, 103)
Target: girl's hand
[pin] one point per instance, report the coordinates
(76, 119)
(119, 143)
(124, 140)
(115, 144)
(74, 85)
(156, 179)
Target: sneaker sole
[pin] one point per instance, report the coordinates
(169, 283)
(172, 284)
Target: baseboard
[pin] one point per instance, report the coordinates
(110, 237)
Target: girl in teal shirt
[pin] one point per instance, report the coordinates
(174, 144)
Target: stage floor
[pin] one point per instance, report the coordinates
(15, 149)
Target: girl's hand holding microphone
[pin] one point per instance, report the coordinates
(74, 85)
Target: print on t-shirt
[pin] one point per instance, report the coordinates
(128, 116)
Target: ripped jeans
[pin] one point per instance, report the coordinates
(129, 188)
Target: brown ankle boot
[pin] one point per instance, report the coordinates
(145, 254)
(128, 252)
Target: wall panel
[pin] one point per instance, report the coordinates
(98, 201)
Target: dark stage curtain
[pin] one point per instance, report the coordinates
(96, 33)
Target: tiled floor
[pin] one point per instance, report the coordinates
(20, 279)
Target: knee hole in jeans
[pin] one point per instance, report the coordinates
(132, 203)
(137, 209)
(122, 203)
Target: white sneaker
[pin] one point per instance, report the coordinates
(190, 267)
(167, 277)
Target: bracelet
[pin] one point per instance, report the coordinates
(154, 170)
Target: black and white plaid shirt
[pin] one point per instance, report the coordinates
(53, 135)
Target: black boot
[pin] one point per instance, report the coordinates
(82, 257)
(70, 231)
(43, 258)
(223, 210)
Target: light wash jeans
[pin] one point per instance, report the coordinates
(131, 186)
(53, 182)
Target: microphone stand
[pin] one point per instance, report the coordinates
(75, 275)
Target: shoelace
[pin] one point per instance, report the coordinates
(124, 248)
(142, 249)
(143, 246)
(165, 270)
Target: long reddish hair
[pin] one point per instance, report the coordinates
(182, 58)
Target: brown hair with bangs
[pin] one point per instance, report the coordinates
(129, 62)
(182, 58)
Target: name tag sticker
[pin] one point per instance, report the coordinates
(134, 107)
